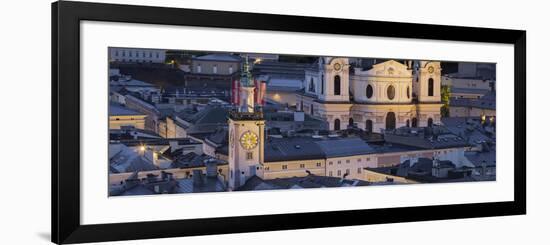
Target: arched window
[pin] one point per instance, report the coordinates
(408, 123)
(337, 85)
(414, 122)
(430, 87)
(391, 92)
(322, 84)
(390, 121)
(337, 124)
(408, 92)
(311, 85)
(369, 91)
(350, 122)
(368, 126)
(430, 122)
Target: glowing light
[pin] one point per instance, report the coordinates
(142, 148)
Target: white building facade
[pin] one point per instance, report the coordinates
(137, 55)
(387, 96)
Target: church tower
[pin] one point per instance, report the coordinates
(246, 135)
(427, 88)
(428, 81)
(335, 79)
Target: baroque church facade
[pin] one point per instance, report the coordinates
(389, 95)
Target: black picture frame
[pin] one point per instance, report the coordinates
(66, 18)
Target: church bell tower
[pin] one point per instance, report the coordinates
(246, 135)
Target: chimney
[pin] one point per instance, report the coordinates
(211, 168)
(197, 177)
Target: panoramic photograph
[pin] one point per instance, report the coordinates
(188, 121)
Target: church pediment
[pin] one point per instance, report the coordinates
(390, 68)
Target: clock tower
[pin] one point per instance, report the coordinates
(246, 135)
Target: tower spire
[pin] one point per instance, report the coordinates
(246, 76)
(247, 89)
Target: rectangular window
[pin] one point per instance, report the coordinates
(339, 172)
(249, 156)
(285, 166)
(347, 161)
(358, 159)
(330, 173)
(347, 171)
(358, 170)
(368, 159)
(339, 162)
(318, 164)
(329, 163)
(302, 165)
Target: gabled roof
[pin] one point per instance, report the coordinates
(287, 149)
(219, 57)
(119, 110)
(344, 147)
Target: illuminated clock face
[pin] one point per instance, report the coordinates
(431, 69)
(337, 66)
(249, 140)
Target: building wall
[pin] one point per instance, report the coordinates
(117, 121)
(287, 169)
(354, 165)
(151, 121)
(466, 83)
(372, 176)
(136, 55)
(214, 67)
(282, 97)
(460, 111)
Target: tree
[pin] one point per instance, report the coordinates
(445, 97)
